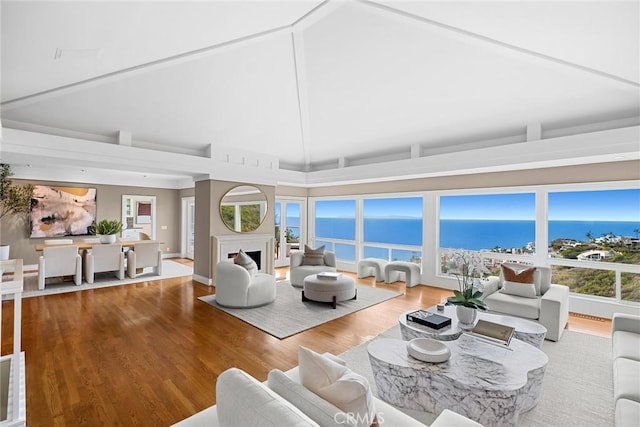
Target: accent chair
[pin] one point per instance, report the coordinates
(298, 271)
(236, 287)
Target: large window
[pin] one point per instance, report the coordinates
(335, 222)
(595, 227)
(390, 226)
(503, 223)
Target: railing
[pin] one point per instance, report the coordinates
(12, 285)
(358, 246)
(617, 268)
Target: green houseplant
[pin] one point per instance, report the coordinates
(107, 229)
(15, 201)
(468, 268)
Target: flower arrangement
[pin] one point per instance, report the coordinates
(469, 269)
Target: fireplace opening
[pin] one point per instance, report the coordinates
(255, 255)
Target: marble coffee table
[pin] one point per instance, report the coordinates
(488, 383)
(525, 330)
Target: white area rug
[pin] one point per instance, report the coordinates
(288, 315)
(577, 389)
(170, 269)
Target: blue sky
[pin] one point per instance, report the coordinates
(489, 206)
(335, 208)
(601, 205)
(606, 205)
(410, 207)
(400, 207)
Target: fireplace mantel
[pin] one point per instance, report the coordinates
(232, 243)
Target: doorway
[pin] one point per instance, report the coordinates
(188, 226)
(138, 217)
(290, 228)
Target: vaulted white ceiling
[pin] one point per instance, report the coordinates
(314, 90)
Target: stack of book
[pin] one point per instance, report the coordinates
(427, 318)
(493, 332)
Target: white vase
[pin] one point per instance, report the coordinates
(466, 317)
(107, 238)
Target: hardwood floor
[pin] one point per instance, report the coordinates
(148, 354)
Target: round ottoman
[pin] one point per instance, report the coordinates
(330, 290)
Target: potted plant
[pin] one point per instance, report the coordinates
(107, 230)
(15, 201)
(469, 270)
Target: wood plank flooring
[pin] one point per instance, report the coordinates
(148, 354)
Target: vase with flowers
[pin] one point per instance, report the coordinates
(469, 268)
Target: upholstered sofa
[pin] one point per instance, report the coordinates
(244, 401)
(549, 306)
(625, 335)
(298, 271)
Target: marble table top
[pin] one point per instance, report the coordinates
(489, 383)
(525, 330)
(474, 363)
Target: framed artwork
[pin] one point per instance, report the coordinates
(62, 211)
(143, 213)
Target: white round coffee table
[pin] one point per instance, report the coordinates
(332, 290)
(525, 330)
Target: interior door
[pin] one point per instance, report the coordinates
(188, 226)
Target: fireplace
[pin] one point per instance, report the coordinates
(258, 246)
(254, 255)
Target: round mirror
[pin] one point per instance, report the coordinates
(243, 208)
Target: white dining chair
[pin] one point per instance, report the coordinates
(57, 261)
(101, 258)
(143, 255)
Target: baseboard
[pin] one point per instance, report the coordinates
(201, 279)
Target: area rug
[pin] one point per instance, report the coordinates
(170, 269)
(288, 315)
(577, 389)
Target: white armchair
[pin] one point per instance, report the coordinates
(104, 258)
(550, 309)
(57, 261)
(235, 287)
(298, 271)
(144, 255)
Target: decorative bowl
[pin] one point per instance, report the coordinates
(428, 350)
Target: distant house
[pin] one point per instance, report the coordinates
(595, 255)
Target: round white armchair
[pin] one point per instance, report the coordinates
(235, 287)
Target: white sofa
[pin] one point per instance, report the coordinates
(625, 336)
(244, 401)
(550, 309)
(298, 271)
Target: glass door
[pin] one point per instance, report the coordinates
(289, 229)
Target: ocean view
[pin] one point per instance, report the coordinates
(469, 234)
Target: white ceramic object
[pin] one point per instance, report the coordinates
(428, 350)
(107, 238)
(466, 317)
